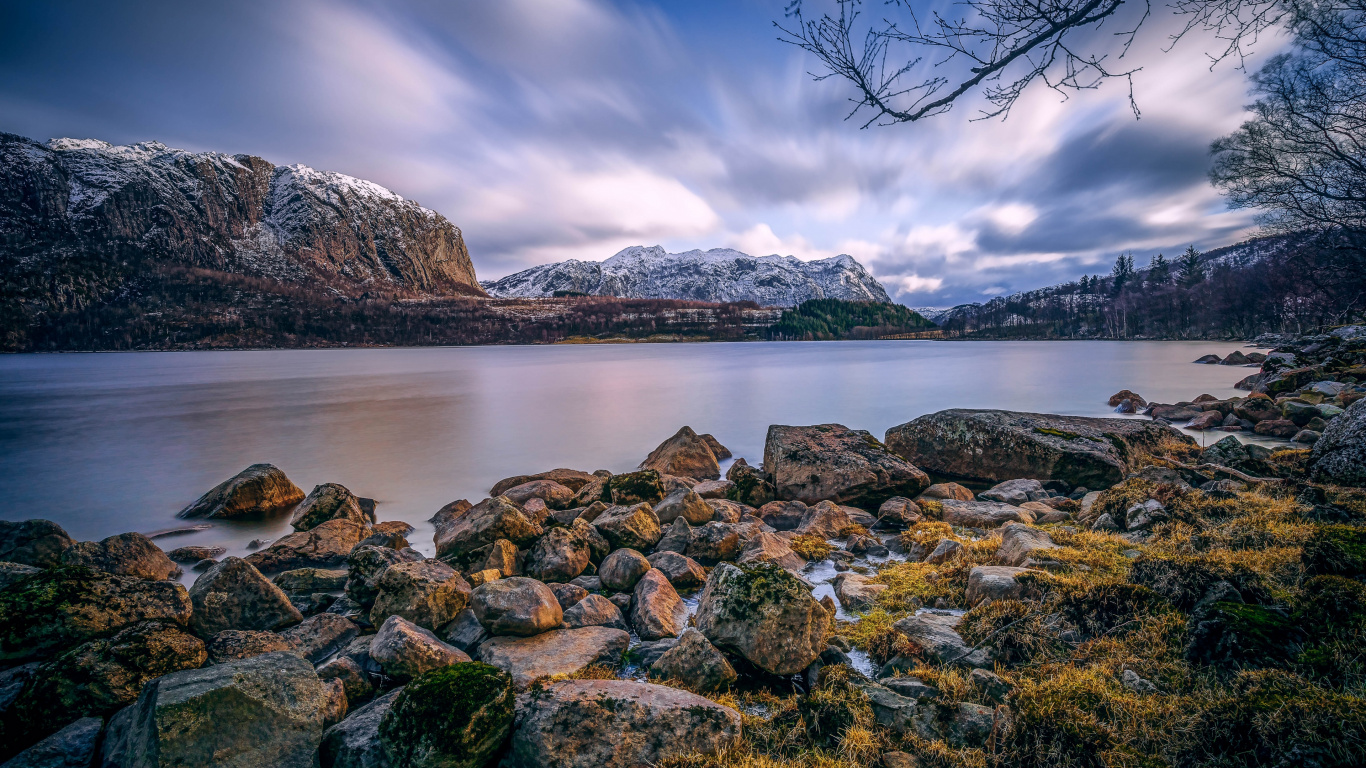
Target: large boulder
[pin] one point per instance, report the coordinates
(258, 490)
(993, 582)
(1339, 456)
(320, 636)
(621, 570)
(243, 643)
(765, 615)
(234, 595)
(560, 555)
(696, 663)
(683, 572)
(686, 454)
(428, 593)
(554, 495)
(58, 608)
(483, 524)
(127, 554)
(74, 746)
(594, 611)
(656, 609)
(618, 724)
(684, 503)
(355, 742)
(835, 463)
(39, 543)
(259, 711)
(403, 650)
(641, 487)
(516, 606)
(328, 501)
(561, 652)
(572, 479)
(325, 545)
(753, 487)
(633, 527)
(826, 520)
(983, 514)
(714, 543)
(992, 446)
(454, 717)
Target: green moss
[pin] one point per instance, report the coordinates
(1057, 433)
(462, 711)
(1333, 605)
(636, 487)
(1336, 550)
(811, 547)
(31, 610)
(761, 584)
(1243, 636)
(1184, 579)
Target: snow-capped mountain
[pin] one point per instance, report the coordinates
(716, 275)
(110, 211)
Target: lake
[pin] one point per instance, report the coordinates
(107, 443)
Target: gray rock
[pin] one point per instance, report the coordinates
(309, 580)
(983, 514)
(465, 632)
(234, 595)
(127, 554)
(1019, 543)
(621, 570)
(328, 501)
(561, 652)
(1339, 456)
(558, 556)
(993, 582)
(944, 551)
(1145, 515)
(516, 606)
(39, 543)
(676, 537)
(482, 525)
(686, 504)
(1133, 682)
(713, 543)
(354, 742)
(568, 594)
(72, 747)
(13, 573)
(936, 636)
(366, 564)
(765, 615)
(233, 644)
(553, 494)
(855, 592)
(403, 650)
(696, 663)
(355, 683)
(1011, 491)
(325, 545)
(910, 687)
(428, 593)
(833, 462)
(320, 636)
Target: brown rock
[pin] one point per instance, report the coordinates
(995, 582)
(983, 514)
(594, 611)
(621, 570)
(1125, 394)
(695, 663)
(713, 543)
(559, 555)
(631, 527)
(765, 615)
(683, 572)
(656, 609)
(326, 545)
(686, 504)
(560, 652)
(686, 454)
(1019, 543)
(572, 479)
(39, 543)
(502, 557)
(261, 489)
(1276, 428)
(516, 606)
(404, 650)
(940, 491)
(127, 554)
(483, 524)
(826, 520)
(833, 462)
(234, 595)
(428, 593)
(771, 548)
(554, 495)
(328, 501)
(244, 643)
(713, 489)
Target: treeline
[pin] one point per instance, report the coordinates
(826, 319)
(177, 308)
(1291, 283)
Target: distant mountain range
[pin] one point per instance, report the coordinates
(717, 275)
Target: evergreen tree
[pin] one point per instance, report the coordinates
(1188, 268)
(1122, 273)
(1159, 272)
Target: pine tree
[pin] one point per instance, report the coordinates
(1159, 272)
(1122, 273)
(1188, 269)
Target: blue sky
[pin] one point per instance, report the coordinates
(553, 129)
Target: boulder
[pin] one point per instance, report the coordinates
(74, 746)
(618, 724)
(403, 650)
(320, 636)
(771, 548)
(686, 454)
(944, 551)
(1019, 543)
(366, 564)
(713, 489)
(355, 742)
(765, 615)
(621, 570)
(449, 513)
(355, 683)
(325, 545)
(993, 446)
(1339, 456)
(594, 611)
(856, 592)
(335, 710)
(642, 487)
(783, 515)
(825, 520)
(311, 579)
(568, 594)
(559, 555)
(234, 595)
(936, 636)
(193, 554)
(554, 495)
(714, 543)
(482, 525)
(516, 606)
(454, 717)
(258, 490)
(127, 554)
(682, 571)
(465, 632)
(656, 609)
(631, 527)
(560, 652)
(502, 556)
(572, 479)
(1014, 492)
(897, 513)
(265, 710)
(940, 491)
(695, 663)
(598, 546)
(39, 543)
(233, 644)
(676, 537)
(983, 514)
(993, 582)
(684, 503)
(1145, 515)
(58, 608)
(1125, 394)
(1277, 428)
(753, 486)
(13, 573)
(835, 463)
(328, 501)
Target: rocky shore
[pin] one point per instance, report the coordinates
(978, 588)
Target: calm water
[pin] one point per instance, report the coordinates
(106, 443)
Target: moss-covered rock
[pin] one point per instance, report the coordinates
(752, 486)
(454, 717)
(1336, 550)
(764, 614)
(1233, 635)
(635, 488)
(1332, 604)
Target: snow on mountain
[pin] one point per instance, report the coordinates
(717, 275)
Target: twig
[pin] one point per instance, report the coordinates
(1216, 468)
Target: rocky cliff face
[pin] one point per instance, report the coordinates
(717, 275)
(79, 219)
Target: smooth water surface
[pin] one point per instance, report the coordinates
(107, 443)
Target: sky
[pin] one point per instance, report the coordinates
(557, 129)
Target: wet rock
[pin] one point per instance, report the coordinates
(559, 652)
(641, 487)
(1339, 456)
(594, 611)
(328, 501)
(833, 462)
(618, 724)
(258, 490)
(568, 594)
(947, 491)
(1277, 428)
(630, 527)
(856, 592)
(686, 454)
(39, 543)
(74, 746)
(936, 636)
(771, 548)
(234, 595)
(311, 579)
(355, 742)
(1019, 543)
(325, 545)
(403, 650)
(825, 520)
(127, 554)
(783, 515)
(727, 511)
(686, 504)
(516, 606)
(320, 636)
(656, 609)
(482, 525)
(231, 644)
(456, 717)
(621, 570)
(714, 543)
(753, 486)
(449, 513)
(683, 572)
(695, 663)
(1014, 492)
(194, 554)
(553, 494)
(465, 632)
(994, 582)
(676, 537)
(993, 446)
(558, 556)
(1306, 437)
(983, 514)
(866, 546)
(765, 615)
(1125, 394)
(502, 557)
